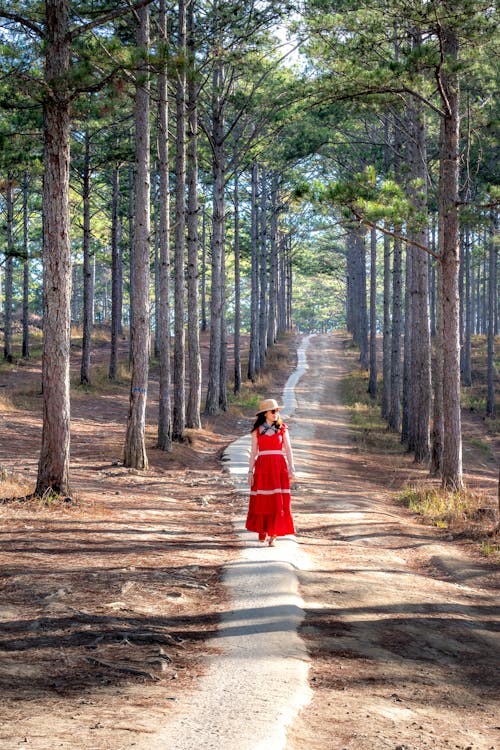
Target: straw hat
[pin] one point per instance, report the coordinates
(267, 405)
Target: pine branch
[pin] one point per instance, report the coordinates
(400, 237)
(23, 22)
(131, 8)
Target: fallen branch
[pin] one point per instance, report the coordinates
(121, 668)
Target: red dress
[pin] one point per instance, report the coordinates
(269, 507)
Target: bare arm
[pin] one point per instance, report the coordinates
(254, 449)
(287, 445)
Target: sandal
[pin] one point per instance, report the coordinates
(271, 541)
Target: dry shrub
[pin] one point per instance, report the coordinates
(466, 514)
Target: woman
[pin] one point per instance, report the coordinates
(269, 475)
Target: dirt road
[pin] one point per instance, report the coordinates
(402, 627)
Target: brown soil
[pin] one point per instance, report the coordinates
(107, 600)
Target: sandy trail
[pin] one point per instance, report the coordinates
(403, 628)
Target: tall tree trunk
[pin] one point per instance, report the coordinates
(361, 297)
(131, 250)
(254, 298)
(408, 373)
(212, 406)
(386, 336)
(223, 402)
(194, 357)
(88, 286)
(115, 275)
(179, 411)
(437, 436)
(273, 265)
(421, 348)
(466, 359)
(490, 401)
(448, 202)
(237, 276)
(53, 465)
(135, 446)
(372, 381)
(9, 271)
(204, 324)
(397, 330)
(164, 405)
(26, 271)
(263, 271)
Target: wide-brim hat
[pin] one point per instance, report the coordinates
(267, 405)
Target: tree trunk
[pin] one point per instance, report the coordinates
(88, 286)
(372, 382)
(9, 271)
(263, 271)
(437, 437)
(135, 446)
(421, 348)
(490, 401)
(204, 324)
(223, 402)
(194, 398)
(26, 272)
(361, 297)
(254, 298)
(212, 406)
(237, 277)
(448, 202)
(466, 359)
(386, 340)
(164, 405)
(115, 276)
(273, 265)
(394, 420)
(179, 412)
(131, 246)
(53, 465)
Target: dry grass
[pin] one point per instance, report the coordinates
(465, 513)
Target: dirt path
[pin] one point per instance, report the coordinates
(402, 627)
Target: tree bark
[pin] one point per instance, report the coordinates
(448, 201)
(88, 286)
(164, 405)
(372, 382)
(490, 401)
(466, 360)
(115, 275)
(179, 374)
(263, 272)
(273, 264)
(9, 271)
(193, 419)
(26, 271)
(135, 446)
(212, 406)
(421, 348)
(53, 465)
(254, 292)
(237, 276)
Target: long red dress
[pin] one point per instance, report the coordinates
(269, 507)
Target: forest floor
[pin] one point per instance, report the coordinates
(108, 600)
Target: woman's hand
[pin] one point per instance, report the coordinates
(250, 478)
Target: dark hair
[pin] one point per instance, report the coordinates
(261, 418)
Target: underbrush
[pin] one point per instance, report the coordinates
(369, 430)
(99, 379)
(465, 514)
(281, 358)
